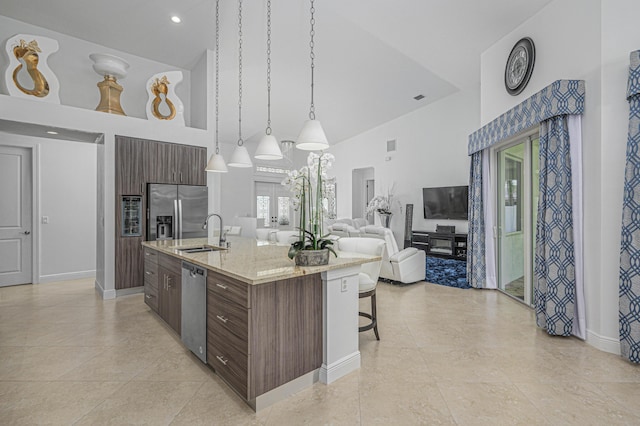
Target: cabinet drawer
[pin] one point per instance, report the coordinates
(150, 255)
(229, 364)
(228, 315)
(224, 338)
(150, 273)
(151, 297)
(230, 289)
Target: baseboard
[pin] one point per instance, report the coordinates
(105, 294)
(604, 343)
(128, 291)
(284, 391)
(340, 368)
(67, 276)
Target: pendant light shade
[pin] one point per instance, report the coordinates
(268, 149)
(240, 157)
(216, 164)
(312, 137)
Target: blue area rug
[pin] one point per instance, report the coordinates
(449, 272)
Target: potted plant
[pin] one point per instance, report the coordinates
(382, 204)
(312, 247)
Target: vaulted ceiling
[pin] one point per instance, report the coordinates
(372, 56)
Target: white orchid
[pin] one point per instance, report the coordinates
(308, 189)
(383, 204)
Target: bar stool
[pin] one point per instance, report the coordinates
(368, 276)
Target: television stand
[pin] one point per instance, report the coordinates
(439, 244)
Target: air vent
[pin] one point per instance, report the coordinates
(417, 98)
(391, 145)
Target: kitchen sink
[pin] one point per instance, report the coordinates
(198, 249)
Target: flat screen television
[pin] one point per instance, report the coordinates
(446, 202)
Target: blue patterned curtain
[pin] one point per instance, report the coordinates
(554, 290)
(629, 292)
(476, 260)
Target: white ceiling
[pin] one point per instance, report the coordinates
(372, 56)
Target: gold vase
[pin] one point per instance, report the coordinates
(110, 92)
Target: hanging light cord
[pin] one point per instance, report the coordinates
(217, 69)
(268, 130)
(312, 109)
(240, 141)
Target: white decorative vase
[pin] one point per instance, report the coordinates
(32, 79)
(385, 219)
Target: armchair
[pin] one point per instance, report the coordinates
(406, 266)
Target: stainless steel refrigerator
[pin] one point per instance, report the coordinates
(176, 211)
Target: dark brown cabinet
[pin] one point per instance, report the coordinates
(262, 336)
(170, 291)
(151, 278)
(137, 163)
(178, 164)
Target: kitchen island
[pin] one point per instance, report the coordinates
(272, 328)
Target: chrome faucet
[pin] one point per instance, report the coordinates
(223, 240)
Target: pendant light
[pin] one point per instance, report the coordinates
(240, 156)
(216, 162)
(268, 148)
(312, 137)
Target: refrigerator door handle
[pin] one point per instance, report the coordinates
(180, 217)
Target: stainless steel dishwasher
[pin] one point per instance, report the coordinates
(194, 309)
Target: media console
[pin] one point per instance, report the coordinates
(439, 244)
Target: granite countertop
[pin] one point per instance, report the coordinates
(252, 261)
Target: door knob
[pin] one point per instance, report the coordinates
(27, 232)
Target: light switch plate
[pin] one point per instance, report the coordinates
(45, 220)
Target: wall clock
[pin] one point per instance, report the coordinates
(519, 66)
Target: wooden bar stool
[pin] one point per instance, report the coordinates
(369, 273)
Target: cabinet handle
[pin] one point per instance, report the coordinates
(222, 360)
(148, 272)
(149, 253)
(142, 188)
(169, 285)
(180, 177)
(173, 177)
(222, 318)
(222, 286)
(148, 296)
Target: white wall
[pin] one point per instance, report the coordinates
(66, 193)
(431, 150)
(620, 36)
(589, 40)
(78, 80)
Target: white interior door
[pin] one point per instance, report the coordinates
(15, 216)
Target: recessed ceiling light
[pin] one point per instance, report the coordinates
(417, 98)
(176, 19)
(51, 132)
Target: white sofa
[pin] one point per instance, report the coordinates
(406, 266)
(346, 227)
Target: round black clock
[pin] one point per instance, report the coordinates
(519, 66)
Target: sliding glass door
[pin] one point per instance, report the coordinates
(517, 189)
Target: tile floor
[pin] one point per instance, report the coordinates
(447, 356)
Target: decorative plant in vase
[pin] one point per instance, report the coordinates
(383, 204)
(306, 184)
